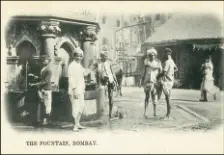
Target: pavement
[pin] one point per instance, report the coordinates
(187, 114)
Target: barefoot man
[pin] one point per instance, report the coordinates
(152, 69)
(109, 78)
(77, 88)
(44, 88)
(167, 81)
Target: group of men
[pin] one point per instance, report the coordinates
(158, 78)
(76, 85)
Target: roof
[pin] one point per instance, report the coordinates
(188, 27)
(62, 16)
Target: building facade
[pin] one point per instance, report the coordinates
(123, 34)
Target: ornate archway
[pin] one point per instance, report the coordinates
(25, 50)
(66, 40)
(65, 53)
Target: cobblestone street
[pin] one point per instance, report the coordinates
(187, 112)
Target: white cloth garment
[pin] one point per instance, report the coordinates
(76, 78)
(208, 71)
(47, 100)
(152, 70)
(107, 68)
(150, 80)
(76, 82)
(78, 105)
(168, 66)
(208, 80)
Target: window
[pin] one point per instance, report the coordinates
(118, 23)
(104, 20)
(158, 16)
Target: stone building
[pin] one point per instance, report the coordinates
(124, 33)
(28, 37)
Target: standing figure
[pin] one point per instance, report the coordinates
(76, 88)
(107, 78)
(119, 73)
(44, 88)
(167, 78)
(152, 69)
(207, 84)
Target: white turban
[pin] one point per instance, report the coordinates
(78, 50)
(152, 51)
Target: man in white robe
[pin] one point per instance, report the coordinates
(76, 88)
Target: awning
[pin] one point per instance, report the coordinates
(197, 47)
(183, 27)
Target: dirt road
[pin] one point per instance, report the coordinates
(131, 104)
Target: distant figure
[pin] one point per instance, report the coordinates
(167, 78)
(152, 69)
(207, 84)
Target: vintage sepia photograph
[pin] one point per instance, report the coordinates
(112, 69)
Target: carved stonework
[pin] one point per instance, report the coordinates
(47, 28)
(11, 51)
(89, 33)
(16, 34)
(67, 38)
(56, 73)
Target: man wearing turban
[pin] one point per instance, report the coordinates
(152, 70)
(77, 88)
(108, 78)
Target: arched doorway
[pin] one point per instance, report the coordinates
(26, 108)
(65, 52)
(25, 51)
(61, 104)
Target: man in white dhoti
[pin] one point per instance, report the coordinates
(108, 78)
(44, 88)
(153, 68)
(167, 80)
(77, 88)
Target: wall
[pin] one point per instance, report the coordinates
(129, 36)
